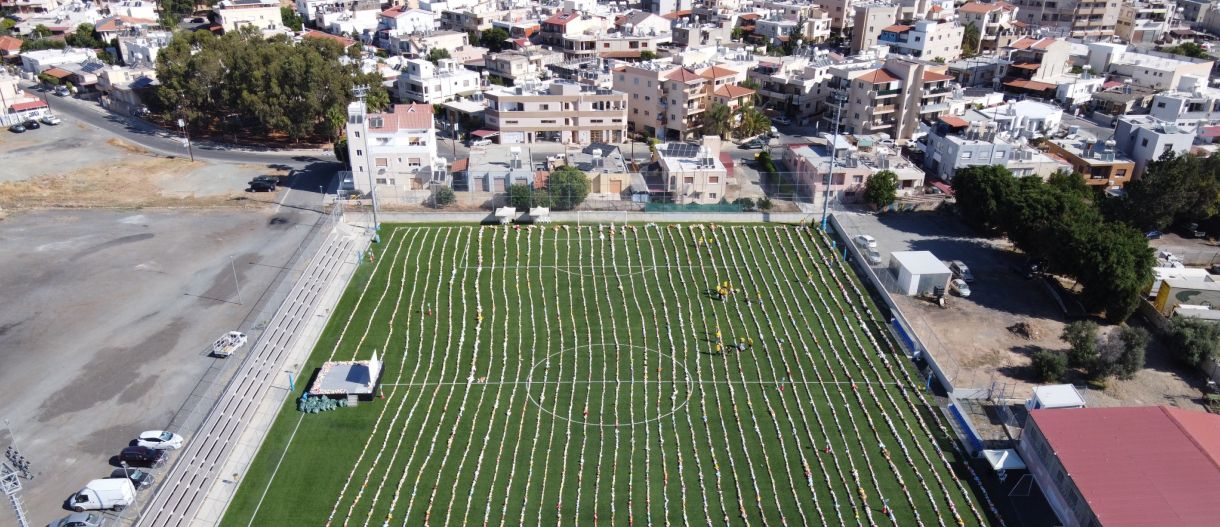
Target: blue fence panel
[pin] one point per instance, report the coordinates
(975, 442)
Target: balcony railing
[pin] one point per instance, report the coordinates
(888, 108)
(887, 93)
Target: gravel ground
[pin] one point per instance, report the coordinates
(106, 319)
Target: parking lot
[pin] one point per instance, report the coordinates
(106, 323)
(977, 348)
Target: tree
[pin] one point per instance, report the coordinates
(753, 122)
(567, 187)
(1049, 366)
(1070, 182)
(881, 189)
(1081, 337)
(40, 31)
(84, 37)
(749, 83)
(443, 196)
(982, 191)
(291, 19)
(494, 39)
(717, 120)
(738, 34)
(1189, 49)
(648, 54)
(1135, 346)
(970, 40)
(42, 43)
(341, 156)
(1195, 341)
(243, 84)
(747, 204)
(6, 26)
(1172, 188)
(764, 204)
(520, 196)
(49, 80)
(436, 54)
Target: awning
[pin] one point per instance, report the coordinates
(484, 134)
(943, 187)
(1210, 132)
(24, 106)
(1030, 85)
(58, 73)
(954, 121)
(1006, 459)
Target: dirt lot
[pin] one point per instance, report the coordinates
(102, 171)
(979, 349)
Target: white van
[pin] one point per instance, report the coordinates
(101, 494)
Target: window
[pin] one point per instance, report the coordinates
(637, 80)
(413, 162)
(857, 179)
(544, 107)
(357, 133)
(382, 181)
(1144, 142)
(605, 44)
(548, 121)
(712, 195)
(713, 180)
(1122, 172)
(1000, 155)
(690, 180)
(381, 162)
(359, 152)
(967, 155)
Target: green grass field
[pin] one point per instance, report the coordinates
(571, 376)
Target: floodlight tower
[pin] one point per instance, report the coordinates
(838, 99)
(10, 483)
(361, 92)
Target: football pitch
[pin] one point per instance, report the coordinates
(593, 374)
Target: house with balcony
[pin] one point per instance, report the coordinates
(973, 139)
(421, 81)
(1034, 65)
(514, 65)
(794, 86)
(924, 39)
(856, 159)
(394, 151)
(1144, 21)
(892, 99)
(566, 23)
(997, 23)
(558, 111)
(263, 15)
(1101, 162)
(692, 172)
(1074, 18)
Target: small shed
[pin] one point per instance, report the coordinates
(540, 214)
(505, 215)
(1055, 396)
(918, 272)
(1001, 460)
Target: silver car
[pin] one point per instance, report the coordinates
(80, 519)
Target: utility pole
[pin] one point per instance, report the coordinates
(361, 92)
(186, 132)
(838, 99)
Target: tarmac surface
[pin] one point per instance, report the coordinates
(106, 322)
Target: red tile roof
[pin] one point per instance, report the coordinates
(954, 121)
(58, 73)
(716, 72)
(981, 8)
(1027, 65)
(896, 28)
(118, 23)
(1139, 466)
(412, 116)
(732, 91)
(562, 18)
(460, 165)
(343, 41)
(932, 76)
(877, 76)
(8, 43)
(1029, 43)
(1030, 85)
(684, 75)
(23, 106)
(750, 16)
(677, 14)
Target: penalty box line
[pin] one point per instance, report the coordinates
(639, 381)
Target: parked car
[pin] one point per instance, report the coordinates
(141, 479)
(141, 456)
(753, 144)
(17, 129)
(774, 132)
(1192, 230)
(115, 494)
(479, 142)
(874, 257)
(961, 271)
(62, 91)
(960, 286)
(263, 184)
(51, 120)
(781, 121)
(159, 440)
(31, 125)
(80, 519)
(866, 242)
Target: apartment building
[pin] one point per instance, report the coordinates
(868, 19)
(140, 49)
(558, 111)
(263, 15)
(665, 7)
(778, 28)
(997, 23)
(417, 45)
(1076, 18)
(1144, 21)
(514, 65)
(794, 85)
(342, 18)
(855, 161)
(422, 81)
(692, 172)
(394, 151)
(841, 12)
(1101, 163)
(614, 44)
(1145, 138)
(973, 139)
(1034, 65)
(925, 39)
(133, 8)
(552, 30)
(890, 99)
(668, 100)
(1151, 69)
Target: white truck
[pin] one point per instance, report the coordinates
(101, 494)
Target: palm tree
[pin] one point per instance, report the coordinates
(718, 120)
(753, 122)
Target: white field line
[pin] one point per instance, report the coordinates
(641, 381)
(279, 462)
